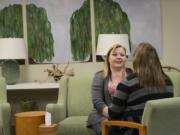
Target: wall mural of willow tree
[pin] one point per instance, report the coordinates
(40, 39)
(11, 24)
(109, 18)
(80, 32)
(59, 31)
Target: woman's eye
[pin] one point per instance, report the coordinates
(114, 54)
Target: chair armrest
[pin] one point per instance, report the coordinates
(171, 68)
(5, 111)
(58, 112)
(106, 124)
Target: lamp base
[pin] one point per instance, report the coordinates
(10, 71)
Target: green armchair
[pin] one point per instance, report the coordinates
(5, 110)
(160, 117)
(174, 74)
(73, 106)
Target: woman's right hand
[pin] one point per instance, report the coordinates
(105, 111)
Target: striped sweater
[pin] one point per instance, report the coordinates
(130, 98)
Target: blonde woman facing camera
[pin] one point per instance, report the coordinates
(104, 85)
(148, 82)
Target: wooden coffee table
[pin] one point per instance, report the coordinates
(27, 123)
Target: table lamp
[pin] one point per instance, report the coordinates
(11, 49)
(106, 41)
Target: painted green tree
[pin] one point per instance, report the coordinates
(11, 24)
(40, 39)
(109, 18)
(80, 32)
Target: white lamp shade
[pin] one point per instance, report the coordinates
(12, 48)
(106, 41)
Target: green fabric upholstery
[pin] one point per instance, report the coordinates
(3, 91)
(74, 125)
(175, 77)
(162, 117)
(5, 110)
(73, 106)
(79, 96)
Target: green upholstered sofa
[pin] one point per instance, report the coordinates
(5, 110)
(74, 103)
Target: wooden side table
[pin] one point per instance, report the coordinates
(27, 123)
(48, 130)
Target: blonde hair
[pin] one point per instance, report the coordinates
(107, 70)
(147, 66)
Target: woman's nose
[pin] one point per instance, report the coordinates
(119, 56)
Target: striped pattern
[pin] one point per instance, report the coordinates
(130, 98)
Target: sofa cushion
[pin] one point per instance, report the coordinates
(79, 96)
(75, 125)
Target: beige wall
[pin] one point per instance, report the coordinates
(170, 10)
(36, 72)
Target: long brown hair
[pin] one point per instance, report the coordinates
(147, 66)
(107, 70)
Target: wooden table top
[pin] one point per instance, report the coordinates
(30, 114)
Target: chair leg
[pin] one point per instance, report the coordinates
(142, 131)
(104, 130)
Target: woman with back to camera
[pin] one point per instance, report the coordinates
(148, 82)
(104, 85)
